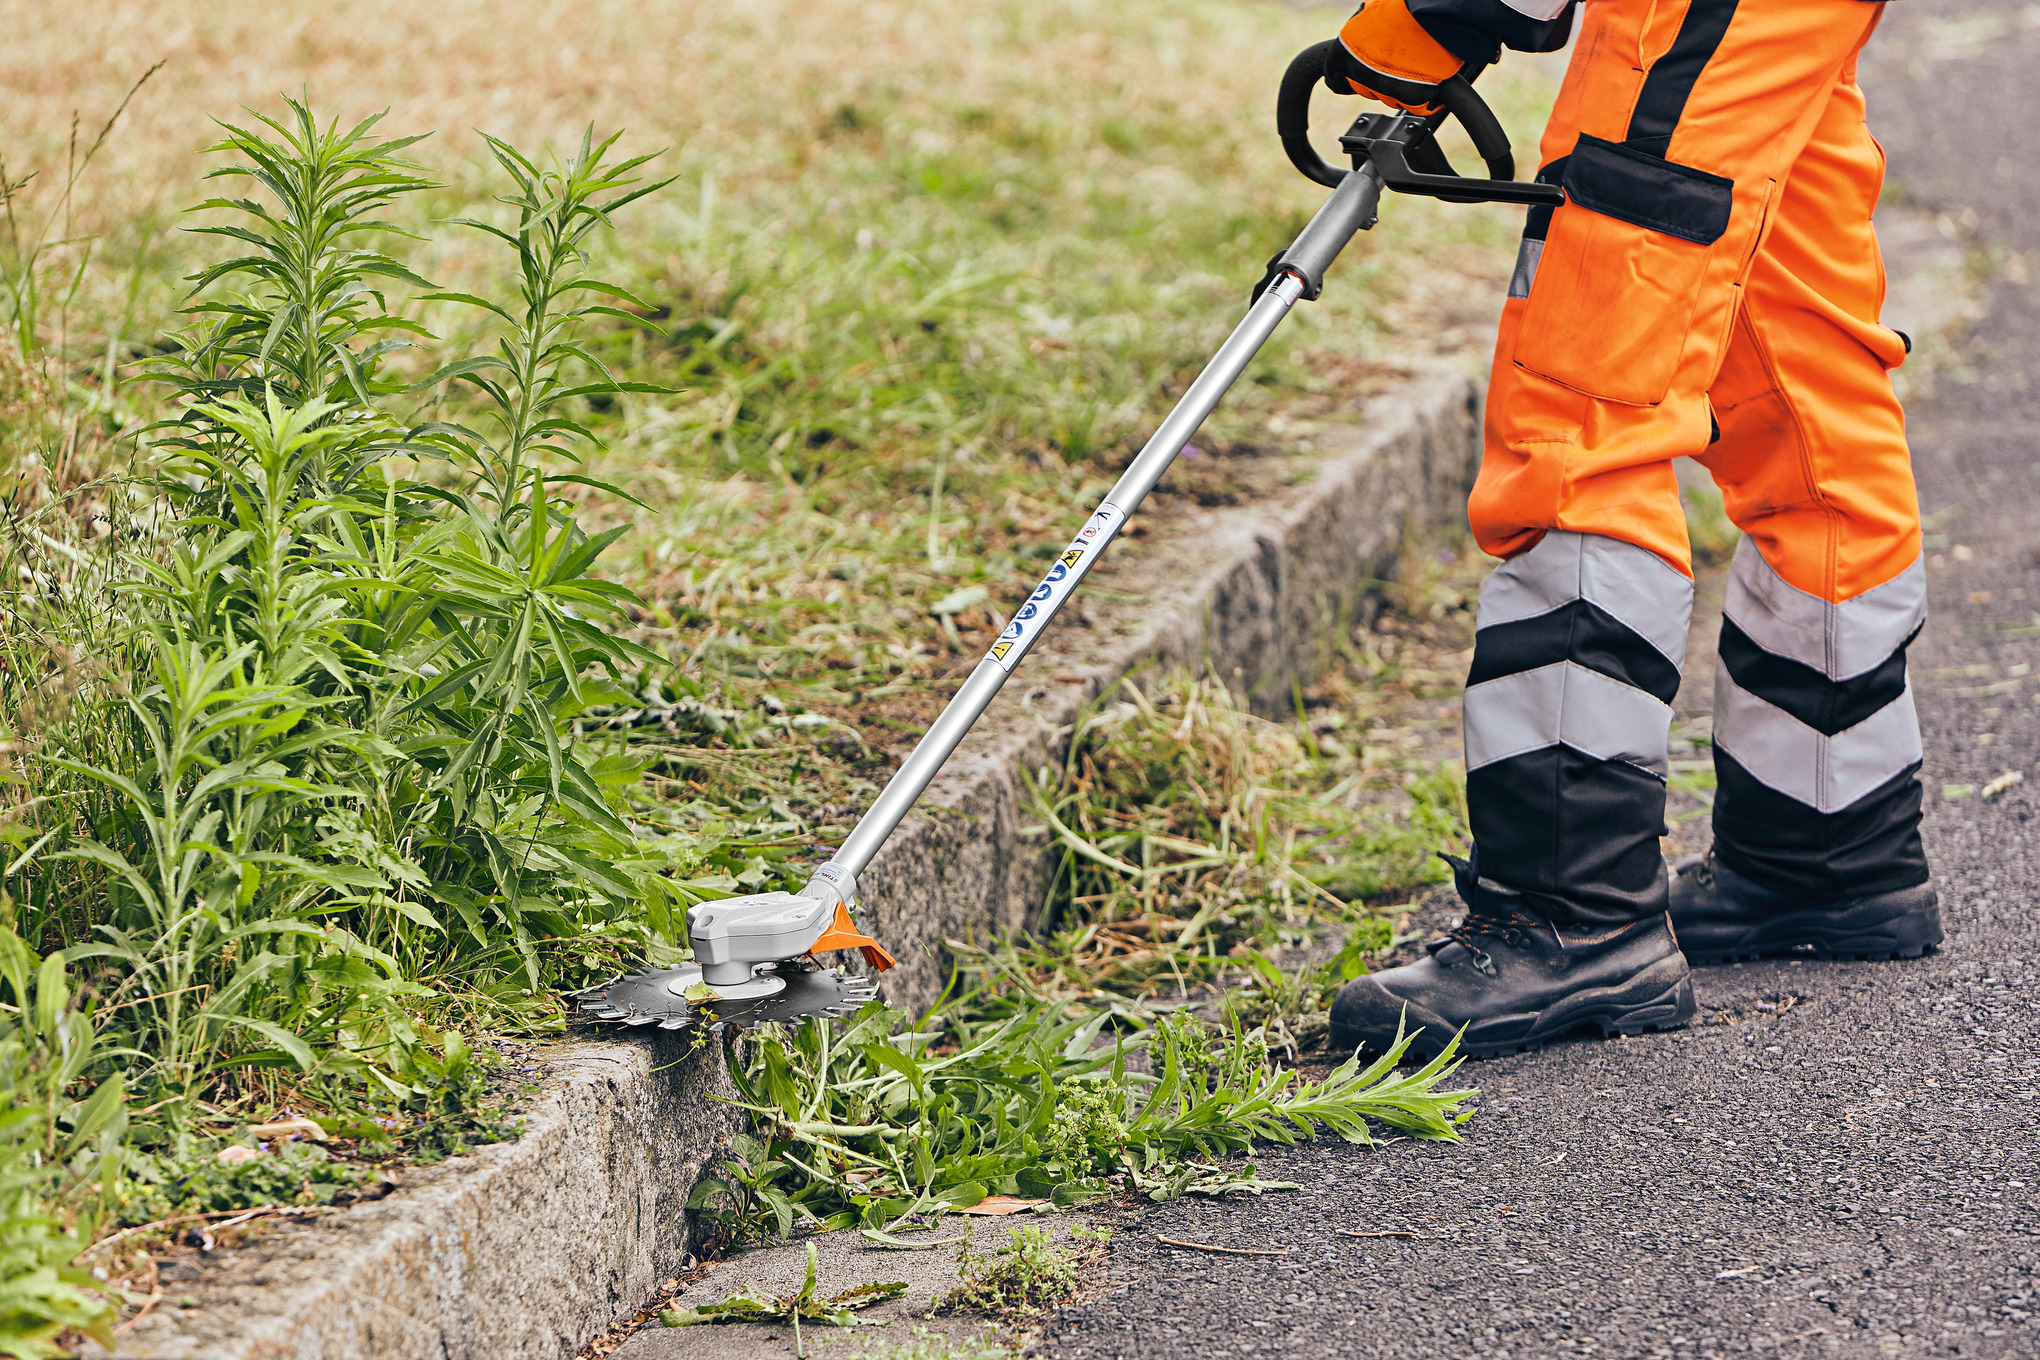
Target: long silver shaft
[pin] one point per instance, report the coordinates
(1350, 208)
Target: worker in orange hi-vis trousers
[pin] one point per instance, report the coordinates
(1711, 288)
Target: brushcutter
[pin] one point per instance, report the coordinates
(756, 957)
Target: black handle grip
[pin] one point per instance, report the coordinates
(1473, 114)
(1292, 114)
(1456, 99)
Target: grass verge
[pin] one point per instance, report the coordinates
(333, 733)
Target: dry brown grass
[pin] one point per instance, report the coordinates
(983, 240)
(747, 94)
(739, 87)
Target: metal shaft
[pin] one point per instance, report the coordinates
(1350, 209)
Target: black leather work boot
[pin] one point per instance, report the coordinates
(1722, 916)
(1514, 980)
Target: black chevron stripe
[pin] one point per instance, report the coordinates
(1872, 845)
(1579, 631)
(1827, 706)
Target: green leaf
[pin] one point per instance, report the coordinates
(297, 1049)
(413, 911)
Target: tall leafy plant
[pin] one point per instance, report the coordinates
(512, 594)
(356, 777)
(305, 316)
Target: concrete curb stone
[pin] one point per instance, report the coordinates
(526, 1249)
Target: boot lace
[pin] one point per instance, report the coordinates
(1488, 923)
(1490, 915)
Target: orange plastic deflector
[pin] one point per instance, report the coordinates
(844, 934)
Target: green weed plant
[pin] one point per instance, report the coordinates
(304, 765)
(1027, 1276)
(60, 1156)
(335, 763)
(806, 1304)
(928, 1345)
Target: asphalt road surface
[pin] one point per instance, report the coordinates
(1837, 1159)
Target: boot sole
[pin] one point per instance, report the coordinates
(1912, 936)
(1667, 1003)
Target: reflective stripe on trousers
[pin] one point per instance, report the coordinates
(1710, 288)
(1816, 744)
(1575, 664)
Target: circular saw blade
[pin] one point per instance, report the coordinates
(655, 997)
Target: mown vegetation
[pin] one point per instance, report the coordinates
(428, 577)
(1188, 828)
(880, 1123)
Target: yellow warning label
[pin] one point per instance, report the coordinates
(999, 650)
(1072, 557)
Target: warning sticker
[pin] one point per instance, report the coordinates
(1062, 578)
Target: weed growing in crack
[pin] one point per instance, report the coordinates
(1026, 1276)
(927, 1345)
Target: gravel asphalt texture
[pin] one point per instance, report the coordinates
(1835, 1159)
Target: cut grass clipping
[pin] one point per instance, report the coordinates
(1188, 827)
(883, 1126)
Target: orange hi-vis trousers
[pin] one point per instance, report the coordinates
(1710, 288)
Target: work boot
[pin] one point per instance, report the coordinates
(1721, 916)
(1515, 980)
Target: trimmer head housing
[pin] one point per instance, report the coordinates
(754, 963)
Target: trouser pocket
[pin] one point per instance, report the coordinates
(1621, 271)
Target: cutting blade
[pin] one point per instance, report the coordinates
(658, 997)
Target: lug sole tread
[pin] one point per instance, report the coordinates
(1880, 949)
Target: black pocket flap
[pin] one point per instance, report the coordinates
(1635, 187)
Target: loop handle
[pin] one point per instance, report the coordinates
(1403, 146)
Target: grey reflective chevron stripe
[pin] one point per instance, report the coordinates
(1825, 773)
(1816, 744)
(1565, 704)
(1810, 698)
(1634, 585)
(1838, 640)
